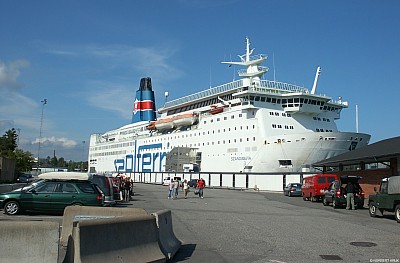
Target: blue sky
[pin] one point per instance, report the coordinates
(86, 58)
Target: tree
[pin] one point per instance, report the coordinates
(8, 143)
(24, 161)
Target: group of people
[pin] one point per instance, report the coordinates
(125, 185)
(175, 184)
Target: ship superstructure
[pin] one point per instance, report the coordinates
(248, 125)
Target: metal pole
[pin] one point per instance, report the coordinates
(44, 102)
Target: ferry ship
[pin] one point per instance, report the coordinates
(247, 125)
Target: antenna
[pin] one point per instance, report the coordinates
(316, 80)
(357, 118)
(210, 76)
(273, 64)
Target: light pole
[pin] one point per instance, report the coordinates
(44, 102)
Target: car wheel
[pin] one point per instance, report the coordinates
(11, 208)
(372, 209)
(334, 204)
(325, 202)
(397, 213)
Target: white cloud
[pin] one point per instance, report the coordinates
(53, 141)
(10, 72)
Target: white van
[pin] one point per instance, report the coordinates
(168, 179)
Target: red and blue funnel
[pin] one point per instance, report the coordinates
(144, 108)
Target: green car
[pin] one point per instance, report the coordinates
(51, 196)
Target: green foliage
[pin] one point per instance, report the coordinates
(24, 161)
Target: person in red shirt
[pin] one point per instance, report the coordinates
(200, 186)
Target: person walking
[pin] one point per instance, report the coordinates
(200, 186)
(350, 196)
(175, 189)
(185, 187)
(170, 188)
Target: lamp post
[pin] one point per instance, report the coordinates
(44, 102)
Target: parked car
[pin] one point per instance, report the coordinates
(387, 199)
(292, 189)
(314, 186)
(105, 182)
(25, 178)
(52, 195)
(102, 180)
(335, 194)
(168, 179)
(192, 182)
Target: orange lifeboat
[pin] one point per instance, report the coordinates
(215, 109)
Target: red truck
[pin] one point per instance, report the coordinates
(314, 186)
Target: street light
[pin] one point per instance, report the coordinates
(44, 102)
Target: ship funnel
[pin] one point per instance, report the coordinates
(144, 108)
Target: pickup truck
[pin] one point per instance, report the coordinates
(387, 199)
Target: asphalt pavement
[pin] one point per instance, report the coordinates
(248, 226)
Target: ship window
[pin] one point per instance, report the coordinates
(232, 117)
(271, 113)
(315, 118)
(263, 99)
(273, 100)
(225, 118)
(279, 126)
(205, 122)
(218, 119)
(328, 120)
(240, 115)
(273, 125)
(268, 99)
(285, 163)
(276, 113)
(306, 101)
(257, 98)
(240, 139)
(251, 97)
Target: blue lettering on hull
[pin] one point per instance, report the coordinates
(142, 162)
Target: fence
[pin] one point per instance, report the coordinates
(257, 181)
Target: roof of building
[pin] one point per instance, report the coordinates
(377, 152)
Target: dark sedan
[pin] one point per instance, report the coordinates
(292, 189)
(336, 192)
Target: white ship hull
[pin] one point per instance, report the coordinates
(249, 125)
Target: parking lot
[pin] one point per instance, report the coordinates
(236, 226)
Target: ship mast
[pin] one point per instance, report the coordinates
(253, 70)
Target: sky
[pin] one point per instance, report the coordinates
(86, 58)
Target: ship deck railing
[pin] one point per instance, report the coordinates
(269, 84)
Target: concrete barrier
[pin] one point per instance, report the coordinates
(168, 242)
(119, 239)
(29, 241)
(79, 213)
